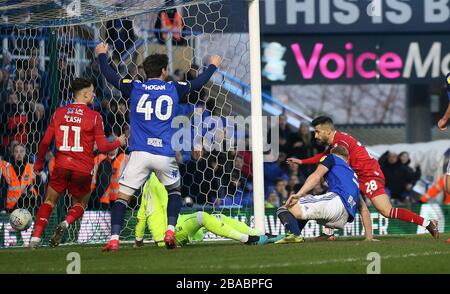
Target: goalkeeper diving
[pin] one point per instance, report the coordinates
(153, 210)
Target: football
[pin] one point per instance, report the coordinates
(20, 219)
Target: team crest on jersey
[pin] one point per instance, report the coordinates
(174, 173)
(79, 111)
(69, 110)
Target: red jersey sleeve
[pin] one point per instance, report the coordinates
(315, 159)
(99, 134)
(45, 143)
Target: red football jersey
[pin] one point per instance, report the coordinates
(359, 158)
(75, 128)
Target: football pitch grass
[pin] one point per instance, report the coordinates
(399, 254)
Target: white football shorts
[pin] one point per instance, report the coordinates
(327, 209)
(141, 165)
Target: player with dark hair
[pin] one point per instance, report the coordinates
(75, 128)
(370, 177)
(153, 105)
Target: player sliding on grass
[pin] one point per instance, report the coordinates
(152, 212)
(370, 177)
(153, 105)
(75, 128)
(333, 209)
(442, 125)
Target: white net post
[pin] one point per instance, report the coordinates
(257, 125)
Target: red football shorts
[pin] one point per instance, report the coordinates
(372, 185)
(78, 184)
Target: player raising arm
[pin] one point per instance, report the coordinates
(370, 177)
(153, 105)
(75, 128)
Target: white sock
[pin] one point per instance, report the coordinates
(114, 237)
(426, 222)
(171, 228)
(66, 224)
(244, 238)
(35, 239)
(139, 239)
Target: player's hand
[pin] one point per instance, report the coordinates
(292, 161)
(101, 48)
(38, 167)
(442, 124)
(293, 199)
(122, 139)
(216, 60)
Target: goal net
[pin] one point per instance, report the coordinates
(45, 44)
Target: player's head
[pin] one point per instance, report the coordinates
(19, 152)
(324, 129)
(155, 66)
(83, 90)
(340, 151)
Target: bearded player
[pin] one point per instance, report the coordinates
(370, 177)
(75, 128)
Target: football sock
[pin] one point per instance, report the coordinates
(173, 207)
(42, 219)
(74, 213)
(289, 221)
(301, 224)
(408, 216)
(118, 216)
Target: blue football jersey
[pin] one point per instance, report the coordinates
(343, 181)
(153, 105)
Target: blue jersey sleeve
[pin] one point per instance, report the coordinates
(123, 85)
(184, 88)
(328, 161)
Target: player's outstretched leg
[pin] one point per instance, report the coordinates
(228, 229)
(74, 213)
(383, 205)
(173, 209)
(42, 217)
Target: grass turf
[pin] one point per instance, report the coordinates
(399, 254)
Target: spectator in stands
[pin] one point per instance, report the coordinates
(105, 180)
(92, 72)
(272, 200)
(398, 177)
(6, 84)
(272, 171)
(285, 133)
(122, 117)
(303, 145)
(281, 190)
(414, 174)
(21, 180)
(293, 184)
(196, 96)
(170, 20)
(37, 125)
(13, 121)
